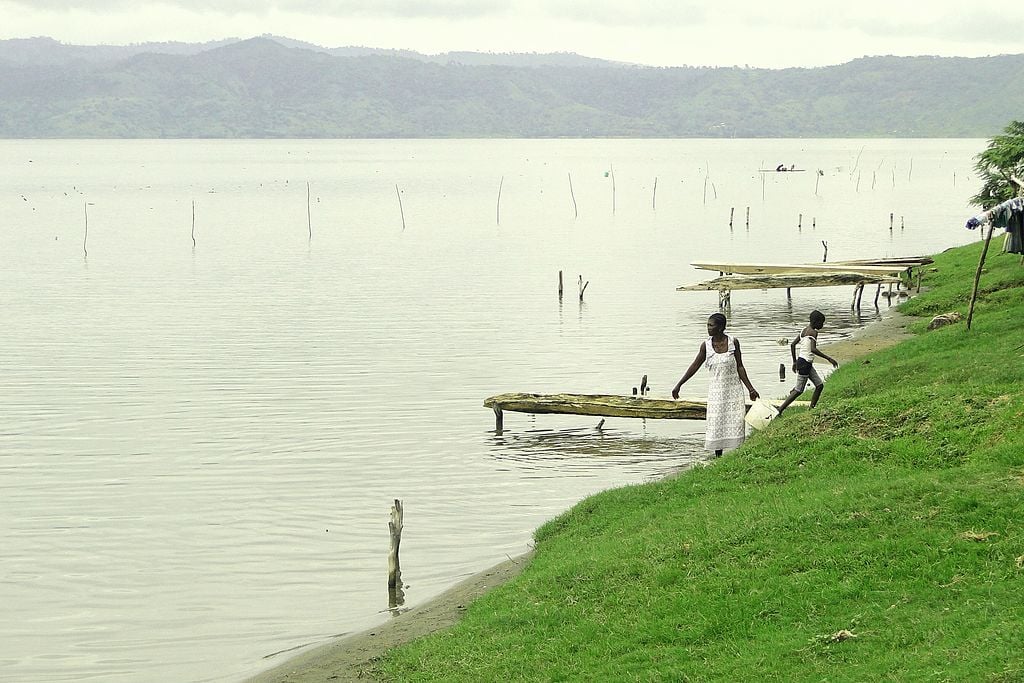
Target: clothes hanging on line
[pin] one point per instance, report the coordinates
(1008, 215)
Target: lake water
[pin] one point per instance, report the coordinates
(200, 444)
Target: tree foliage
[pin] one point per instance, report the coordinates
(1001, 161)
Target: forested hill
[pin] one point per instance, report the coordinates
(267, 87)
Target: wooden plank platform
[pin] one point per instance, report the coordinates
(801, 268)
(731, 282)
(602, 405)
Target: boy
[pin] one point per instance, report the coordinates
(807, 341)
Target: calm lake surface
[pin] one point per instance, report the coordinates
(200, 444)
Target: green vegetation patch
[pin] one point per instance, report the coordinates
(877, 537)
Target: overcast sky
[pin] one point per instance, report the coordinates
(658, 32)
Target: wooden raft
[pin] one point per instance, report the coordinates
(603, 405)
(871, 270)
(730, 282)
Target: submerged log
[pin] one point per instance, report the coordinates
(729, 282)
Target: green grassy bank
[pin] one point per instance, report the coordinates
(876, 538)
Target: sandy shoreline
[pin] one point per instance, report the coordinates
(349, 658)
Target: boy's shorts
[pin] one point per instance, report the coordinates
(801, 380)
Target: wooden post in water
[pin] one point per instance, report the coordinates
(86, 238)
(654, 195)
(575, 211)
(748, 216)
(583, 287)
(705, 190)
(193, 224)
(890, 221)
(559, 285)
(817, 177)
(402, 210)
(497, 208)
(309, 217)
(824, 257)
(877, 292)
(612, 169)
(977, 276)
(731, 210)
(799, 220)
(394, 566)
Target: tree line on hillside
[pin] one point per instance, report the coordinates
(260, 88)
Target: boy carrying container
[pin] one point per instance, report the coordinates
(803, 364)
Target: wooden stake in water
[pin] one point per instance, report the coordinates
(309, 216)
(799, 220)
(817, 177)
(824, 257)
(86, 238)
(731, 210)
(612, 170)
(193, 224)
(575, 211)
(497, 208)
(402, 210)
(654, 195)
(583, 287)
(559, 285)
(748, 216)
(890, 221)
(705, 189)
(395, 524)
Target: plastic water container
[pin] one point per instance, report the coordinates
(760, 414)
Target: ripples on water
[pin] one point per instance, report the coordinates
(199, 446)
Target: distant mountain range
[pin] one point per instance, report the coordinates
(273, 87)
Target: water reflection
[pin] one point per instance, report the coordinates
(577, 451)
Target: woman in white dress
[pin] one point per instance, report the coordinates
(720, 353)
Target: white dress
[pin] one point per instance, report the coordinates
(726, 399)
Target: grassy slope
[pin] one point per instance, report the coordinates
(892, 511)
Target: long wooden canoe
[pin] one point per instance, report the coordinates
(602, 405)
(730, 282)
(799, 268)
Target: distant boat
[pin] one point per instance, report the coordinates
(782, 170)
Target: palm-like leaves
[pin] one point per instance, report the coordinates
(1003, 158)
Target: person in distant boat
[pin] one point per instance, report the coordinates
(792, 167)
(726, 406)
(780, 167)
(803, 364)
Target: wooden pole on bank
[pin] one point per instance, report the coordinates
(977, 276)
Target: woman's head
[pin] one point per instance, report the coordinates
(716, 323)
